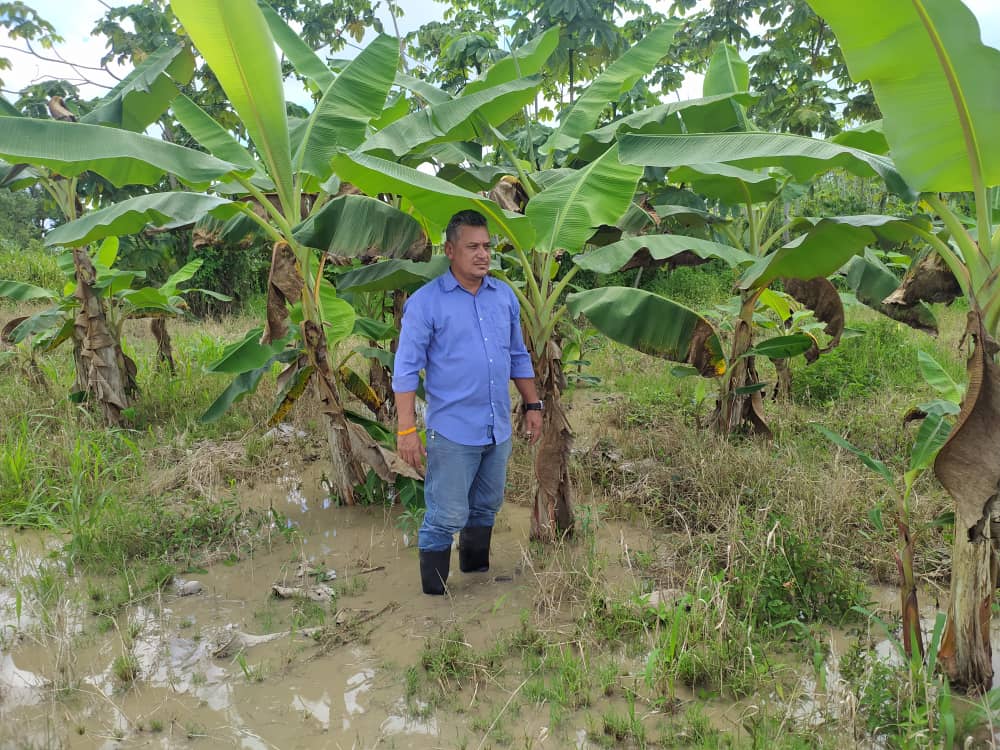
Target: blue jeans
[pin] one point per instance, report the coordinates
(463, 487)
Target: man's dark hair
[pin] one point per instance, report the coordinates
(467, 218)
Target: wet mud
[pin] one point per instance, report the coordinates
(216, 659)
(336, 679)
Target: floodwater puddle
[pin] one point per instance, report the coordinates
(170, 670)
(234, 666)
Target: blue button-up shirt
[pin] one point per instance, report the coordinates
(469, 346)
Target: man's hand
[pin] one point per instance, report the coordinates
(411, 449)
(533, 426)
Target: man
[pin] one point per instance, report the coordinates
(464, 330)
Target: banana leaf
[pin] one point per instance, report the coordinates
(144, 94)
(611, 258)
(935, 81)
(306, 62)
(652, 325)
(210, 134)
(135, 214)
(390, 275)
(526, 60)
(458, 119)
(341, 117)
(829, 245)
(803, 157)
(710, 114)
(119, 156)
(235, 41)
(356, 225)
(729, 184)
(727, 72)
(566, 214)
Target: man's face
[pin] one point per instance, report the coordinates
(470, 253)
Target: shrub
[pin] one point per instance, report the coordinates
(696, 287)
(860, 367)
(791, 579)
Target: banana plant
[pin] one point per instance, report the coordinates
(937, 422)
(102, 372)
(275, 182)
(941, 137)
(120, 300)
(732, 169)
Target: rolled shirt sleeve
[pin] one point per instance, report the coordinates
(520, 360)
(411, 354)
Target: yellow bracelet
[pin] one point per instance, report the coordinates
(408, 431)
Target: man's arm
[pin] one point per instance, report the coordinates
(533, 418)
(408, 445)
(523, 374)
(411, 357)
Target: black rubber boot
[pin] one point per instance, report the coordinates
(434, 565)
(474, 549)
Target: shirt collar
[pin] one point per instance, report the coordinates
(450, 283)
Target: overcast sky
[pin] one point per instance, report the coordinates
(74, 21)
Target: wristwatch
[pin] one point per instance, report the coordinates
(534, 406)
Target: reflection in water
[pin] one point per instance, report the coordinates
(295, 495)
(357, 684)
(18, 687)
(400, 722)
(318, 709)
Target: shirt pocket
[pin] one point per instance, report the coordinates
(500, 329)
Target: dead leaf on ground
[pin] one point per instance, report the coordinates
(318, 593)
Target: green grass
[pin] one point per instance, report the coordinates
(126, 668)
(448, 659)
(30, 264)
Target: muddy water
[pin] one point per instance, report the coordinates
(60, 682)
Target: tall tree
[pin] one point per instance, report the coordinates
(23, 24)
(796, 64)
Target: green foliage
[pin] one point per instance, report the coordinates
(625, 727)
(31, 263)
(906, 703)
(126, 668)
(839, 193)
(618, 621)
(21, 217)
(447, 658)
(22, 256)
(792, 579)
(697, 287)
(860, 367)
